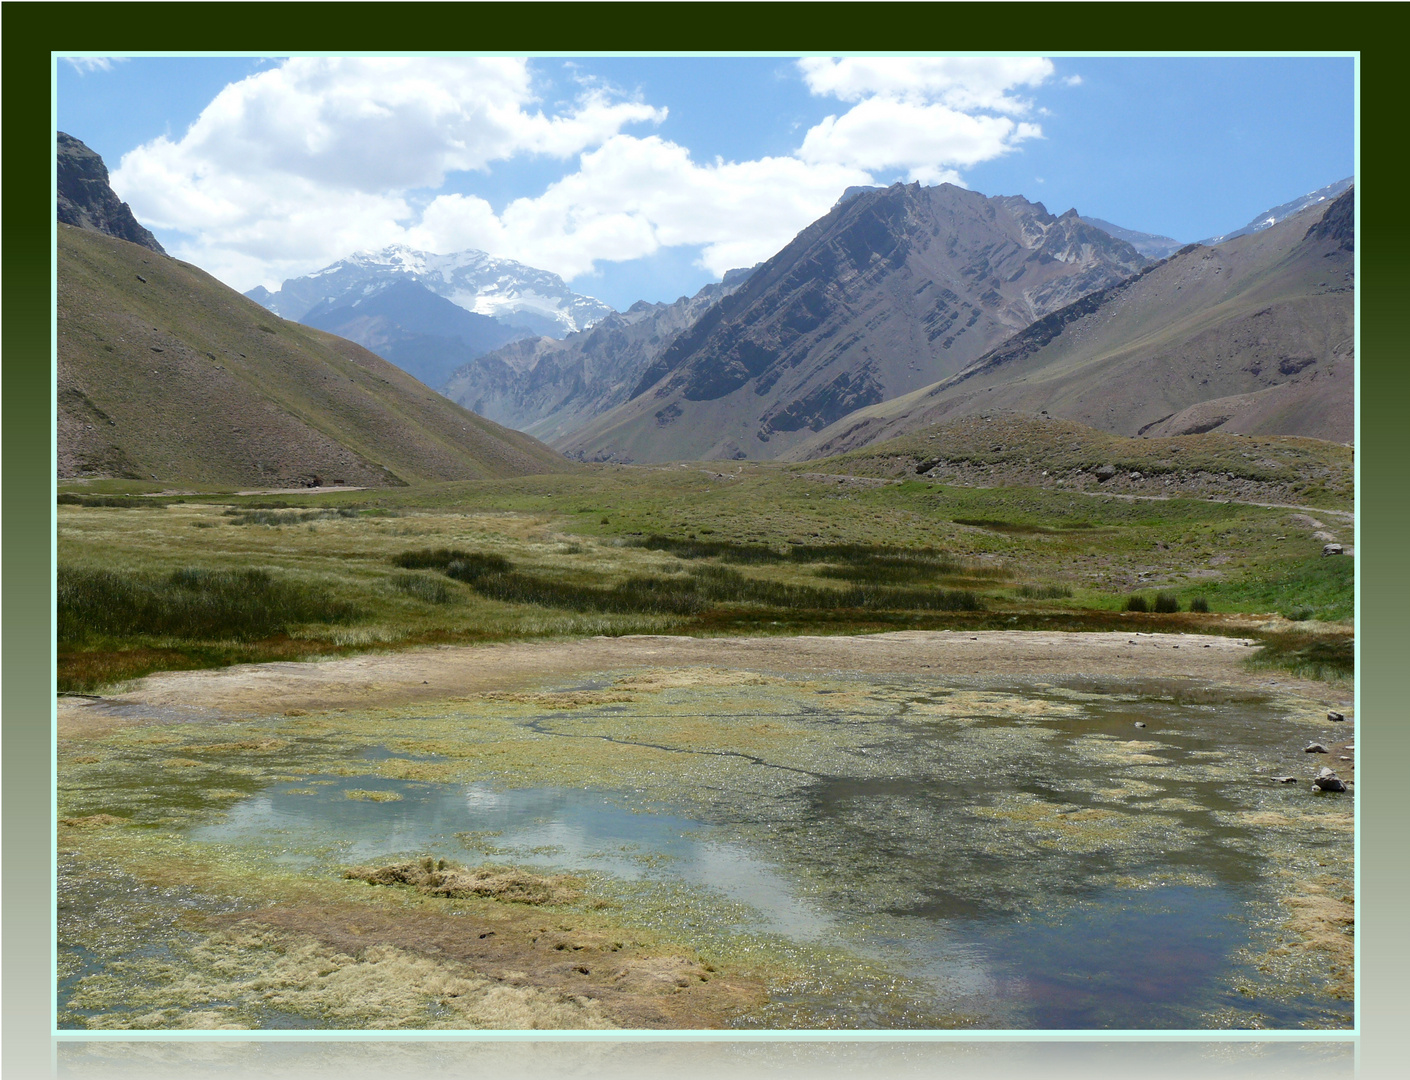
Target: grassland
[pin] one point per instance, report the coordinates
(613, 550)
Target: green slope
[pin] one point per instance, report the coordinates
(166, 373)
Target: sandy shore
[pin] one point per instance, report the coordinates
(394, 678)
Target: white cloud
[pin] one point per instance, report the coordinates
(1072, 80)
(632, 196)
(961, 82)
(930, 141)
(303, 163)
(84, 64)
(294, 164)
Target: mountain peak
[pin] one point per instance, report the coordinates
(514, 294)
(87, 201)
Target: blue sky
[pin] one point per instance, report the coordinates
(645, 178)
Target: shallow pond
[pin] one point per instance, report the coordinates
(1024, 856)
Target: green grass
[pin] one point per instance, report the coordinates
(1318, 587)
(493, 576)
(194, 604)
(287, 517)
(770, 551)
(128, 502)
(424, 588)
(1313, 656)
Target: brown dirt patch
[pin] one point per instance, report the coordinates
(92, 821)
(437, 878)
(634, 985)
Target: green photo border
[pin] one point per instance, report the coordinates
(31, 32)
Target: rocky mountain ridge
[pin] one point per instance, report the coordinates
(551, 388)
(891, 289)
(1255, 336)
(1275, 214)
(87, 201)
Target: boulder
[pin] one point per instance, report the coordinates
(1326, 780)
(1314, 748)
(1103, 473)
(1331, 549)
(1334, 716)
(1284, 779)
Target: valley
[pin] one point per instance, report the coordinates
(939, 625)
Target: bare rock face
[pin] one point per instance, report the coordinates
(87, 202)
(551, 388)
(888, 292)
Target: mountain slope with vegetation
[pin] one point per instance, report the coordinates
(164, 373)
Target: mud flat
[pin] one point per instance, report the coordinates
(905, 830)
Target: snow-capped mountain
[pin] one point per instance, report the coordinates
(505, 290)
(1286, 210)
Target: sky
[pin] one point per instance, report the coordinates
(645, 178)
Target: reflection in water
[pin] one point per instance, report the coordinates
(538, 826)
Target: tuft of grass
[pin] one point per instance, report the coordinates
(1311, 655)
(1043, 592)
(420, 587)
(1166, 603)
(635, 596)
(193, 604)
(725, 550)
(1136, 602)
(1200, 605)
(289, 517)
(124, 501)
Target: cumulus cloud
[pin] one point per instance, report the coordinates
(632, 196)
(961, 82)
(929, 141)
(292, 164)
(925, 116)
(306, 162)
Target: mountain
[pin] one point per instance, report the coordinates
(1151, 245)
(85, 200)
(1286, 210)
(163, 372)
(406, 323)
(552, 388)
(515, 294)
(1254, 336)
(889, 291)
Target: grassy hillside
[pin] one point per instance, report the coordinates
(1011, 449)
(165, 373)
